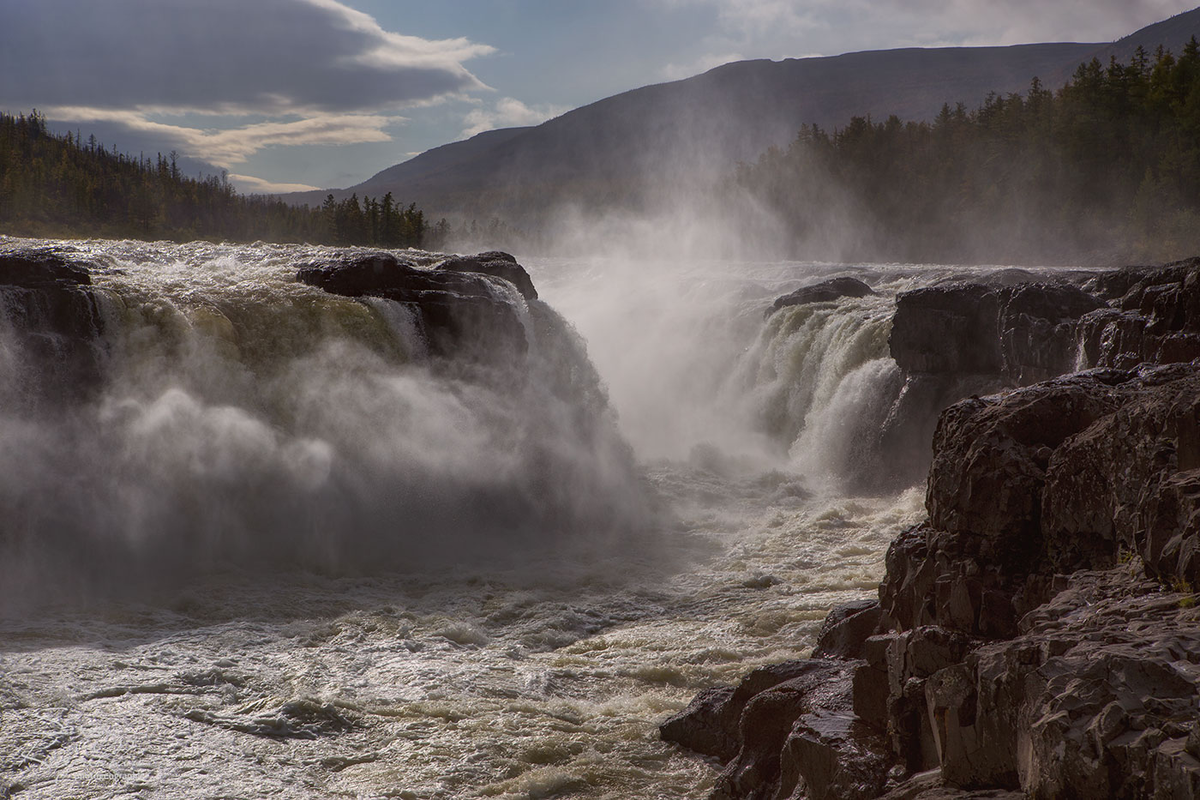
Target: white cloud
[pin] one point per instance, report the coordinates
(226, 147)
(252, 185)
(792, 27)
(674, 72)
(508, 112)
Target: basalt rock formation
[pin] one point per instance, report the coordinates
(961, 339)
(823, 292)
(459, 304)
(54, 319)
(1038, 634)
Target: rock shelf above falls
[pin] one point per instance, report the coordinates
(1038, 635)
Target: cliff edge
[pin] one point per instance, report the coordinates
(1038, 634)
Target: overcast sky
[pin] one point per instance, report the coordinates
(292, 94)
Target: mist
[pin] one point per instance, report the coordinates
(244, 421)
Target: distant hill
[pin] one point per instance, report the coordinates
(421, 169)
(628, 149)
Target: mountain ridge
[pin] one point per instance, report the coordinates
(631, 147)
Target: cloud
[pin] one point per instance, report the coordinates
(675, 72)
(272, 57)
(252, 185)
(224, 148)
(508, 112)
(836, 26)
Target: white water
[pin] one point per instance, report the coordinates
(274, 557)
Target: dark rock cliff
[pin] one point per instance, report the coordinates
(460, 304)
(53, 319)
(1038, 635)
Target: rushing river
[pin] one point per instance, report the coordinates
(283, 552)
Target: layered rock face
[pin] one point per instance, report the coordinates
(54, 320)
(460, 304)
(1038, 635)
(962, 339)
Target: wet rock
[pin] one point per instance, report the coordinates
(991, 456)
(1020, 332)
(960, 340)
(459, 310)
(1155, 316)
(1129, 483)
(823, 292)
(707, 726)
(832, 755)
(846, 630)
(799, 738)
(496, 264)
(38, 269)
(53, 318)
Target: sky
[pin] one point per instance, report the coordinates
(287, 95)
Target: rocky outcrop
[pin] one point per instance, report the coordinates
(496, 264)
(823, 292)
(1038, 634)
(961, 339)
(460, 308)
(1016, 334)
(50, 314)
(1154, 316)
(787, 731)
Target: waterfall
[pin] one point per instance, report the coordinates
(819, 382)
(241, 419)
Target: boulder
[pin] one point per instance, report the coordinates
(823, 292)
(53, 317)
(707, 726)
(496, 264)
(799, 738)
(788, 730)
(460, 310)
(846, 630)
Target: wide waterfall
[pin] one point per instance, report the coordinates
(309, 522)
(241, 417)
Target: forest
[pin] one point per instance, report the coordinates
(59, 185)
(1107, 167)
(1104, 169)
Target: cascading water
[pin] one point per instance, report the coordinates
(263, 539)
(243, 417)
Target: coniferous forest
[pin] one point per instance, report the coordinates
(52, 185)
(1107, 166)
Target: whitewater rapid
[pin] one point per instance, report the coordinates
(279, 554)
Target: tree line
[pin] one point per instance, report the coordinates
(1106, 166)
(60, 185)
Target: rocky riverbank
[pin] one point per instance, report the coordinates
(1038, 635)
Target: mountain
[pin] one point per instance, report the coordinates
(635, 148)
(400, 179)
(1171, 33)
